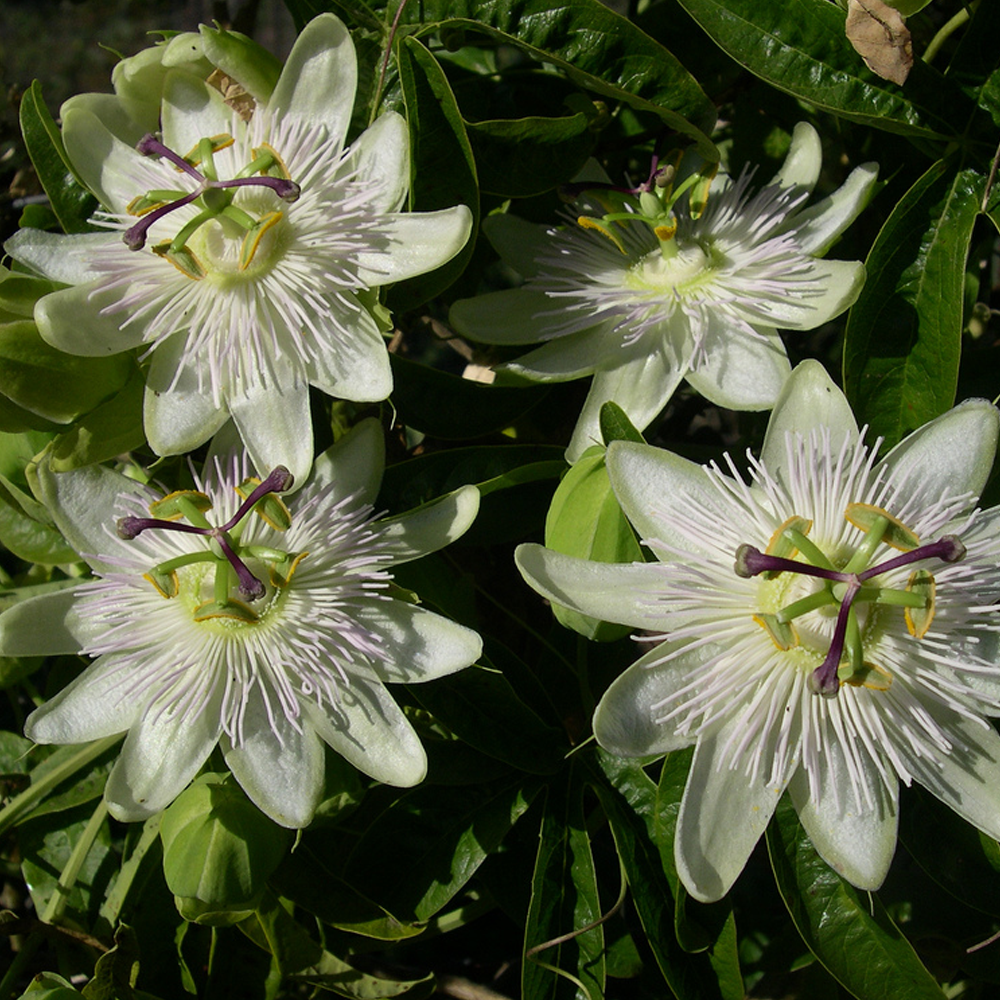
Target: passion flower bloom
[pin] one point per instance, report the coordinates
(243, 257)
(661, 289)
(828, 626)
(222, 615)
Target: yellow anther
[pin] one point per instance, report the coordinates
(918, 620)
(218, 142)
(896, 534)
(142, 204)
(588, 222)
(253, 237)
(235, 610)
(870, 676)
(266, 149)
(165, 584)
(280, 582)
(664, 233)
(698, 198)
(784, 635)
(168, 508)
(185, 260)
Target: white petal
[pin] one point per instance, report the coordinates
(110, 111)
(106, 164)
(69, 259)
(368, 729)
(381, 155)
(612, 592)
(741, 372)
(818, 227)
(839, 282)
(279, 768)
(968, 778)
(950, 455)
(650, 481)
(432, 526)
(723, 813)
(82, 502)
(179, 415)
(803, 160)
(71, 320)
(160, 757)
(320, 76)
(356, 368)
(90, 707)
(809, 401)
(569, 357)
(275, 424)
(858, 845)
(191, 111)
(520, 243)
(418, 242)
(354, 465)
(418, 645)
(45, 626)
(513, 316)
(641, 384)
(625, 722)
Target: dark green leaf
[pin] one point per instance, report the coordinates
(480, 707)
(628, 798)
(564, 898)
(596, 48)
(799, 46)
(429, 843)
(903, 340)
(958, 857)
(116, 970)
(71, 201)
(846, 929)
(450, 407)
(523, 157)
(442, 166)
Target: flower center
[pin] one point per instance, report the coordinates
(677, 271)
(223, 220)
(651, 203)
(848, 590)
(225, 551)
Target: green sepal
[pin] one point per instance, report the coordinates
(242, 59)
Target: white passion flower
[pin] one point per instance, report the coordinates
(223, 615)
(243, 257)
(828, 625)
(650, 289)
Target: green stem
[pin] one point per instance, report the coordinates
(111, 908)
(809, 549)
(65, 762)
(60, 896)
(946, 31)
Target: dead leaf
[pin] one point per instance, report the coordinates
(233, 94)
(881, 38)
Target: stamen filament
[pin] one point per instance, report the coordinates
(820, 599)
(864, 552)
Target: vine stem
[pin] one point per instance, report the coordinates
(60, 895)
(385, 61)
(946, 31)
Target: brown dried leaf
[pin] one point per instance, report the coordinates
(233, 94)
(881, 38)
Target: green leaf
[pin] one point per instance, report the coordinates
(524, 157)
(480, 707)
(450, 407)
(427, 845)
(46, 843)
(71, 201)
(846, 929)
(116, 970)
(957, 856)
(52, 384)
(616, 426)
(597, 49)
(903, 340)
(110, 429)
(27, 530)
(799, 46)
(442, 165)
(628, 798)
(564, 899)
(585, 520)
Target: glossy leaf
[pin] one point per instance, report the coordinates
(440, 836)
(71, 201)
(596, 48)
(523, 157)
(26, 528)
(442, 165)
(799, 46)
(480, 707)
(846, 929)
(628, 798)
(564, 898)
(957, 856)
(903, 340)
(52, 384)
